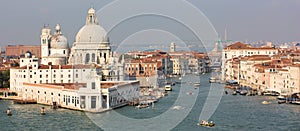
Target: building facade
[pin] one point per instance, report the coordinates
(55, 47)
(18, 50)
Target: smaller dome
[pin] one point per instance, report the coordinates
(59, 42)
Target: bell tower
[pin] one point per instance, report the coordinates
(45, 41)
(172, 47)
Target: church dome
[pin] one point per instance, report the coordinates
(92, 33)
(59, 42)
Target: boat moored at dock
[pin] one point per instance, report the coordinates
(168, 88)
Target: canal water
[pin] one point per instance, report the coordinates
(232, 113)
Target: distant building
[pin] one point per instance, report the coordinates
(172, 47)
(18, 50)
(241, 50)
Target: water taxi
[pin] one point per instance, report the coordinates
(212, 80)
(206, 123)
(265, 102)
(168, 88)
(197, 84)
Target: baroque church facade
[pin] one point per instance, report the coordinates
(91, 46)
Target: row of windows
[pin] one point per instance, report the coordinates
(145, 68)
(54, 81)
(67, 99)
(47, 71)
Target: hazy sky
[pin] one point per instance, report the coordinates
(271, 20)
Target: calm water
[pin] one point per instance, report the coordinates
(233, 113)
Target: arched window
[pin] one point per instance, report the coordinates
(87, 58)
(93, 57)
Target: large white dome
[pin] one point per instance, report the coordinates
(91, 34)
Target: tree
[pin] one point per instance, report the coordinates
(1, 79)
(5, 76)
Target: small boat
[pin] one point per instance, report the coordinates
(295, 102)
(234, 93)
(189, 93)
(281, 101)
(271, 93)
(43, 111)
(243, 92)
(141, 106)
(197, 84)
(206, 123)
(212, 80)
(265, 102)
(168, 88)
(8, 112)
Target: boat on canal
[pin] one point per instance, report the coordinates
(168, 88)
(206, 123)
(197, 84)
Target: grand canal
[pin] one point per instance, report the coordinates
(232, 113)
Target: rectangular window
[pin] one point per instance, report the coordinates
(40, 76)
(76, 75)
(93, 102)
(72, 99)
(93, 85)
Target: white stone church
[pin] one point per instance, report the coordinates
(73, 78)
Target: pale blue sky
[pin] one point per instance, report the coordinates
(272, 20)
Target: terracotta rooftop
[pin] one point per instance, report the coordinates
(240, 45)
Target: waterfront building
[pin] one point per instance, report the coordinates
(180, 65)
(93, 97)
(18, 50)
(189, 62)
(91, 81)
(239, 49)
